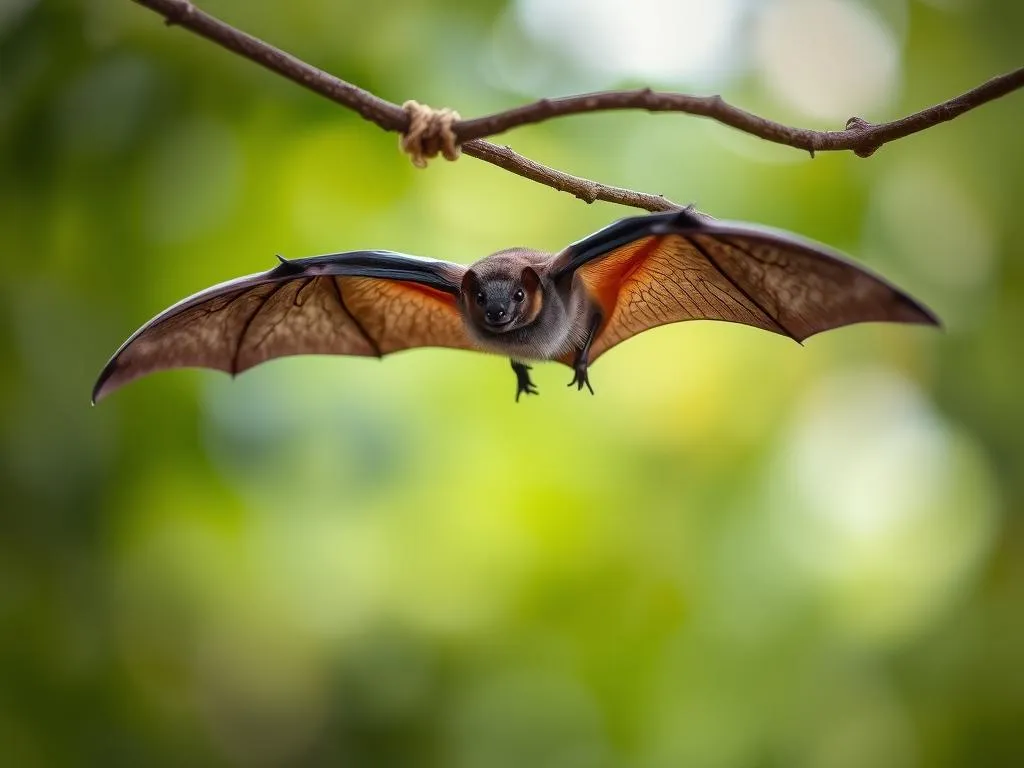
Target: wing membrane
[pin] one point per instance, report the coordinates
(651, 270)
(363, 303)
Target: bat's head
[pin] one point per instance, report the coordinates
(502, 293)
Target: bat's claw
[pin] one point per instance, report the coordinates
(523, 383)
(528, 389)
(581, 378)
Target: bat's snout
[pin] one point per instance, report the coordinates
(497, 315)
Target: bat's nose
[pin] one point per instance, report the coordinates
(496, 314)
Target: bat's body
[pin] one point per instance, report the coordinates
(572, 307)
(512, 306)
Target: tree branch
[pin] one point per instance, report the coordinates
(383, 113)
(182, 13)
(861, 137)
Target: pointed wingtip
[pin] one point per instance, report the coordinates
(922, 315)
(99, 388)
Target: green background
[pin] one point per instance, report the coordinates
(740, 552)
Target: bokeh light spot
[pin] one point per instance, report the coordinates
(880, 490)
(687, 40)
(957, 254)
(828, 59)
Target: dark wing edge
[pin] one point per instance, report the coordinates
(743, 255)
(623, 232)
(339, 303)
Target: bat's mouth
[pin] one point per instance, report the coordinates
(498, 325)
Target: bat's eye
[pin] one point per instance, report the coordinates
(519, 295)
(481, 297)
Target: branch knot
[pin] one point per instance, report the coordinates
(862, 126)
(429, 133)
(179, 13)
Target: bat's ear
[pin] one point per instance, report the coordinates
(530, 279)
(470, 283)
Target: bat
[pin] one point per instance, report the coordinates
(571, 307)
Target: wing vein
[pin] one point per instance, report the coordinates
(355, 321)
(718, 268)
(248, 323)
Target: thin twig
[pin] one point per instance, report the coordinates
(586, 190)
(861, 137)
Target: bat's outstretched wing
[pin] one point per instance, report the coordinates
(647, 271)
(365, 303)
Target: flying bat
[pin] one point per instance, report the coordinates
(571, 307)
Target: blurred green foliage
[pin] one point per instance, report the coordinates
(741, 552)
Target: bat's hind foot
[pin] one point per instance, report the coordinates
(523, 383)
(581, 378)
(579, 366)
